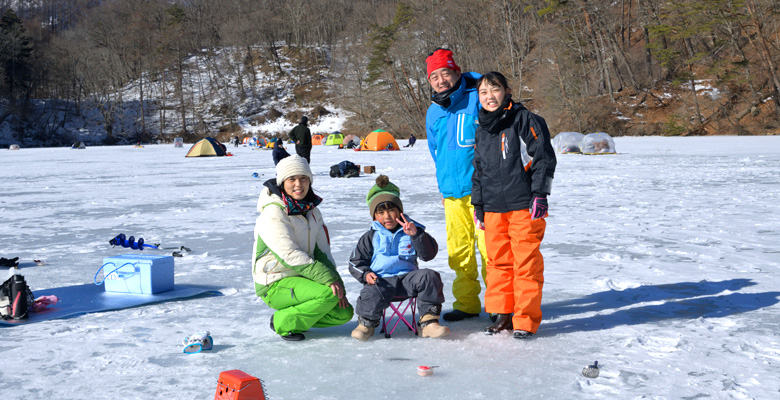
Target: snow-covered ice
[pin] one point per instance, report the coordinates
(661, 263)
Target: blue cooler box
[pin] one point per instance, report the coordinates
(135, 273)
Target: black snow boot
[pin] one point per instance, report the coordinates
(521, 334)
(503, 323)
(292, 337)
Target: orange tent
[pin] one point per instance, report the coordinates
(317, 138)
(379, 140)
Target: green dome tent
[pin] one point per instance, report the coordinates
(334, 139)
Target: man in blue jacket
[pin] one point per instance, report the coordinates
(450, 123)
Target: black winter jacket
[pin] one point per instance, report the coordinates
(301, 133)
(513, 160)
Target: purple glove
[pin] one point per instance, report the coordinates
(479, 219)
(538, 207)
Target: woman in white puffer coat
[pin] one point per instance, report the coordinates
(293, 270)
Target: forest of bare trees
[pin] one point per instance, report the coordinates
(628, 67)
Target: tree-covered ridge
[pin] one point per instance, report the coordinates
(628, 67)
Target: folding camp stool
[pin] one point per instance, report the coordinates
(398, 306)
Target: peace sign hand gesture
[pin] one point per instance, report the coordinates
(409, 227)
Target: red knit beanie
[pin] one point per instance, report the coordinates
(441, 58)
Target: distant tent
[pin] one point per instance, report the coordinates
(567, 142)
(246, 140)
(178, 142)
(78, 145)
(598, 143)
(208, 147)
(334, 139)
(317, 138)
(262, 142)
(351, 138)
(379, 140)
(13, 147)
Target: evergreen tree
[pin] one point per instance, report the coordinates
(16, 48)
(382, 39)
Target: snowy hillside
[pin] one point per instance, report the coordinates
(216, 95)
(662, 263)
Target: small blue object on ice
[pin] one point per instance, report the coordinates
(255, 175)
(122, 240)
(193, 344)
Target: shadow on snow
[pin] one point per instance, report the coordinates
(684, 300)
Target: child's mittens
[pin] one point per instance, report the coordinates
(196, 342)
(538, 207)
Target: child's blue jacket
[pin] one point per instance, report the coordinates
(389, 253)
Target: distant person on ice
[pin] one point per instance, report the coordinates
(514, 164)
(293, 270)
(450, 126)
(279, 152)
(301, 135)
(412, 140)
(385, 262)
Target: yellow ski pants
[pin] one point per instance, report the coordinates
(462, 238)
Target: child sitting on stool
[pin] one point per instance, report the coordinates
(385, 262)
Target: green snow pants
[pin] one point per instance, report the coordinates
(302, 304)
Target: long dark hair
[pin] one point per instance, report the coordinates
(493, 78)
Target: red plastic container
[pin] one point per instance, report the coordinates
(238, 385)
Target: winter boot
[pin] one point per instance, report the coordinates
(429, 325)
(364, 329)
(521, 334)
(458, 315)
(503, 322)
(289, 336)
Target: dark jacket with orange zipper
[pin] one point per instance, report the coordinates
(513, 159)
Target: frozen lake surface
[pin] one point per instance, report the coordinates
(662, 263)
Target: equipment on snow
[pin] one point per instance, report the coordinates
(344, 169)
(15, 298)
(198, 341)
(238, 385)
(122, 240)
(424, 370)
(17, 263)
(43, 302)
(88, 298)
(9, 263)
(140, 274)
(591, 371)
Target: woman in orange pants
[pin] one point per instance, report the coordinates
(514, 163)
